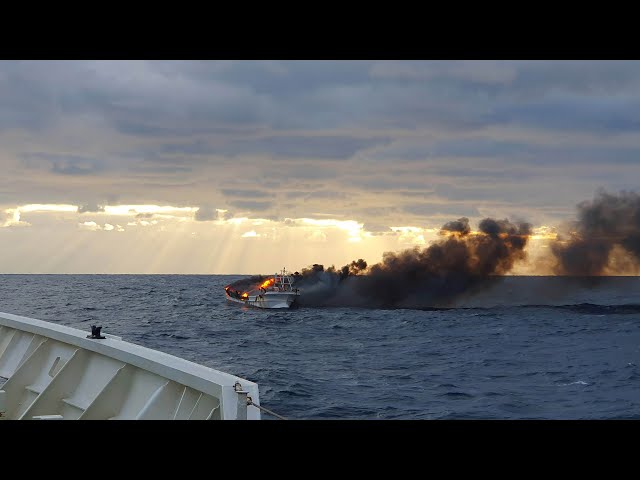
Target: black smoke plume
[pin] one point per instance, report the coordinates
(606, 228)
(459, 262)
(247, 284)
(460, 226)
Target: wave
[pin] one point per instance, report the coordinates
(584, 308)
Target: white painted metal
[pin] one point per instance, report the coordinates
(267, 300)
(51, 372)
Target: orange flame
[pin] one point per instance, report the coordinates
(245, 295)
(268, 283)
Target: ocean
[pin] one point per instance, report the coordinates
(523, 348)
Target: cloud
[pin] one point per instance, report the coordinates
(326, 147)
(376, 229)
(204, 214)
(378, 142)
(438, 209)
(224, 214)
(152, 98)
(11, 218)
(207, 213)
(320, 194)
(478, 72)
(243, 193)
(90, 207)
(198, 147)
(93, 226)
(251, 205)
(63, 164)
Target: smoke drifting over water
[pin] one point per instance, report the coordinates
(604, 240)
(460, 262)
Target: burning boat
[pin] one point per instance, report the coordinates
(276, 292)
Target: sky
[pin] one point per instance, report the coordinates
(245, 167)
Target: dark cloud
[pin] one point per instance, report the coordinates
(371, 180)
(243, 193)
(479, 147)
(130, 127)
(90, 207)
(173, 131)
(504, 174)
(539, 78)
(251, 205)
(376, 229)
(205, 214)
(198, 147)
(26, 98)
(572, 114)
(183, 98)
(475, 73)
(325, 147)
(295, 194)
(159, 168)
(377, 212)
(293, 77)
(431, 209)
(320, 194)
(64, 164)
(307, 171)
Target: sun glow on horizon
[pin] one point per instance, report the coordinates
(13, 219)
(152, 209)
(164, 239)
(47, 207)
(353, 228)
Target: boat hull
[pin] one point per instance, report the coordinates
(50, 371)
(267, 300)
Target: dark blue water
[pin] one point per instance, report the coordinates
(528, 348)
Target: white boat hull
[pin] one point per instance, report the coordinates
(53, 372)
(267, 300)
